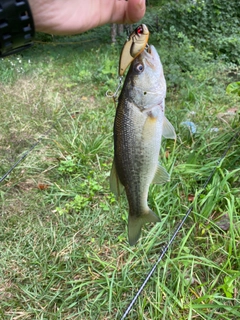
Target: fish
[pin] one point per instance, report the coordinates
(139, 126)
(135, 44)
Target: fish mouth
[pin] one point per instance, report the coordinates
(149, 50)
(151, 56)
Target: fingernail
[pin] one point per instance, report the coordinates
(141, 4)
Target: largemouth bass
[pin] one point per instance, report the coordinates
(138, 127)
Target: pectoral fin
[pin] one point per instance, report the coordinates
(168, 130)
(161, 175)
(115, 185)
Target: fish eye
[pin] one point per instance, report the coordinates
(139, 68)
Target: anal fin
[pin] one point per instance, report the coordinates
(161, 175)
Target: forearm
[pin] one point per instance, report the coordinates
(65, 17)
(19, 20)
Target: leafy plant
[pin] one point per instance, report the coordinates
(229, 286)
(212, 26)
(233, 88)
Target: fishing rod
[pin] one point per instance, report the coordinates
(26, 153)
(165, 248)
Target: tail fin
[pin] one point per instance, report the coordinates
(135, 225)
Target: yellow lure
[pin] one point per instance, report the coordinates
(133, 47)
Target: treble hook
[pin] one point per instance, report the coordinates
(109, 94)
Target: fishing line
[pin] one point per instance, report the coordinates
(165, 248)
(26, 154)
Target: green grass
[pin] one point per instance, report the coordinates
(63, 246)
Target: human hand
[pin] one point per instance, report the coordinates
(65, 17)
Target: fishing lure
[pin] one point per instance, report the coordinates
(135, 44)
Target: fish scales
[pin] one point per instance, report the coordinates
(138, 129)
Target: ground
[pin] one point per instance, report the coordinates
(63, 235)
